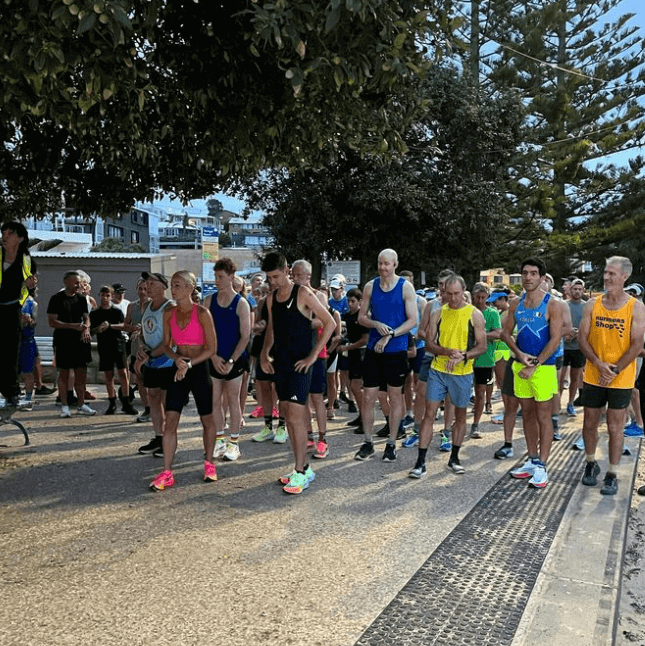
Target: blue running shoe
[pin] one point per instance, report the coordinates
(633, 430)
(571, 411)
(446, 444)
(408, 421)
(411, 441)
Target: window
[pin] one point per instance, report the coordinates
(134, 236)
(498, 279)
(115, 232)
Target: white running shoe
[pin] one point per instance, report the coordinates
(232, 452)
(85, 410)
(220, 448)
(280, 435)
(65, 412)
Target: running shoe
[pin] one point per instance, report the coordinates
(497, 419)
(497, 395)
(309, 472)
(488, 408)
(331, 414)
(384, 431)
(264, 435)
(351, 407)
(85, 410)
(503, 453)
(356, 422)
(579, 444)
(525, 471)
(232, 452)
(280, 435)
(365, 452)
(401, 432)
(283, 480)
(610, 485)
(322, 449)
(408, 421)
(150, 447)
(633, 430)
(65, 412)
(557, 436)
(276, 413)
(257, 412)
(358, 430)
(445, 444)
(417, 472)
(45, 390)
(455, 466)
(474, 432)
(143, 418)
(298, 483)
(540, 478)
(26, 404)
(158, 452)
(310, 442)
(590, 476)
(220, 448)
(571, 411)
(89, 396)
(210, 472)
(411, 441)
(389, 455)
(164, 480)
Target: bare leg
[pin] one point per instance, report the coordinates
(169, 441)
(615, 423)
(80, 382)
(295, 415)
(367, 411)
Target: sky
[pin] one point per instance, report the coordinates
(636, 7)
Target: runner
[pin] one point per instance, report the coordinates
(389, 311)
(456, 336)
(573, 356)
(484, 364)
(611, 337)
(155, 368)
(232, 318)
(290, 336)
(539, 328)
(188, 327)
(133, 328)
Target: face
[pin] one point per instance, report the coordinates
(300, 275)
(86, 288)
(141, 290)
(337, 293)
(614, 277)
(576, 292)
(117, 297)
(354, 304)
(256, 281)
(154, 288)
(479, 300)
(9, 236)
(277, 278)
(501, 304)
(223, 280)
(454, 295)
(386, 266)
(531, 278)
(566, 289)
(72, 284)
(238, 284)
(106, 299)
(179, 288)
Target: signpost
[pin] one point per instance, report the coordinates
(351, 269)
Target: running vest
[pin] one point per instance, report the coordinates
(576, 316)
(293, 336)
(26, 272)
(419, 343)
(533, 333)
(192, 334)
(609, 336)
(28, 331)
(152, 332)
(455, 331)
(227, 326)
(388, 308)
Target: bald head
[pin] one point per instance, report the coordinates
(389, 254)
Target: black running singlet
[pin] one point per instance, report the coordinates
(293, 336)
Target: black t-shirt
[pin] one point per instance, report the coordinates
(69, 309)
(354, 330)
(110, 341)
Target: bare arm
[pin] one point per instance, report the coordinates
(411, 313)
(308, 300)
(265, 362)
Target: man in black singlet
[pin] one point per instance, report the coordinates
(295, 349)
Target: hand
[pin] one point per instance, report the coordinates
(381, 343)
(383, 329)
(135, 332)
(138, 364)
(31, 281)
(526, 359)
(259, 327)
(335, 340)
(527, 372)
(142, 355)
(104, 326)
(606, 374)
(182, 368)
(304, 364)
(220, 365)
(267, 364)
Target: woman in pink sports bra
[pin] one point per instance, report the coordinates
(190, 341)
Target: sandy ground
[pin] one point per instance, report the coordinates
(631, 623)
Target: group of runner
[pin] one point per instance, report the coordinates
(385, 342)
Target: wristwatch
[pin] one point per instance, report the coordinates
(188, 363)
(231, 361)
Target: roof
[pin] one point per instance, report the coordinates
(54, 254)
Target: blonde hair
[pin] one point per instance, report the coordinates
(187, 276)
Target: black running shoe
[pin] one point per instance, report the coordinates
(389, 455)
(365, 452)
(356, 422)
(401, 432)
(610, 486)
(385, 431)
(150, 447)
(590, 477)
(351, 407)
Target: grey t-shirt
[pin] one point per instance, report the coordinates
(576, 309)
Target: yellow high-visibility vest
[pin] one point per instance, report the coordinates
(26, 272)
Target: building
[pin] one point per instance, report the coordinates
(497, 277)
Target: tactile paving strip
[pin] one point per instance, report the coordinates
(473, 589)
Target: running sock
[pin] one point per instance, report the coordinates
(421, 458)
(268, 422)
(590, 457)
(454, 452)
(612, 468)
(391, 442)
(280, 422)
(508, 445)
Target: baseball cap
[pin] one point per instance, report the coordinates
(118, 287)
(496, 296)
(146, 275)
(335, 283)
(635, 288)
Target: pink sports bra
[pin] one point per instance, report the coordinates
(192, 334)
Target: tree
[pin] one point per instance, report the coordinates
(582, 78)
(116, 245)
(108, 101)
(438, 205)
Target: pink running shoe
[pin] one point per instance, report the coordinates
(322, 449)
(210, 473)
(257, 412)
(276, 413)
(163, 480)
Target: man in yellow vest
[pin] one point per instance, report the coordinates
(456, 337)
(611, 336)
(15, 281)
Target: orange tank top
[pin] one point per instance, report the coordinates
(609, 336)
